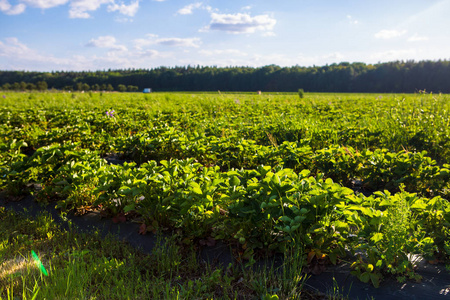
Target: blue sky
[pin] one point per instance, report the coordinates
(46, 35)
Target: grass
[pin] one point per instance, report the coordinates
(86, 266)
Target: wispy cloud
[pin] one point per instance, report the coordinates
(389, 55)
(12, 46)
(417, 38)
(179, 42)
(106, 41)
(81, 8)
(189, 9)
(389, 34)
(139, 44)
(128, 10)
(240, 23)
(9, 9)
(44, 4)
(19, 54)
(351, 20)
(153, 39)
(149, 53)
(222, 52)
(77, 8)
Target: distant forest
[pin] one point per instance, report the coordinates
(397, 77)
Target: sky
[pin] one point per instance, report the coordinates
(89, 35)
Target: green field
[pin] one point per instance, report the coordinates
(329, 174)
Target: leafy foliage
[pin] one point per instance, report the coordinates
(329, 175)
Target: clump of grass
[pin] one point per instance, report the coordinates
(86, 266)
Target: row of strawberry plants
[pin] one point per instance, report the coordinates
(415, 123)
(379, 169)
(262, 209)
(375, 170)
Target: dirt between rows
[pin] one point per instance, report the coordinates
(435, 283)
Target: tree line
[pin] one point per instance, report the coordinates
(396, 77)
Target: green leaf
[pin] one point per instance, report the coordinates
(129, 208)
(341, 225)
(419, 204)
(285, 219)
(234, 181)
(333, 258)
(367, 211)
(304, 211)
(375, 278)
(379, 263)
(62, 182)
(443, 172)
(377, 237)
(195, 187)
(385, 202)
(305, 173)
(294, 227)
(365, 277)
(299, 219)
(275, 179)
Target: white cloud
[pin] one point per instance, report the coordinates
(149, 53)
(179, 42)
(140, 43)
(351, 20)
(389, 34)
(9, 9)
(44, 4)
(19, 56)
(188, 9)
(403, 54)
(333, 57)
(4, 5)
(417, 38)
(152, 39)
(123, 20)
(106, 41)
(246, 7)
(80, 8)
(222, 52)
(128, 10)
(269, 33)
(12, 46)
(240, 23)
(131, 59)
